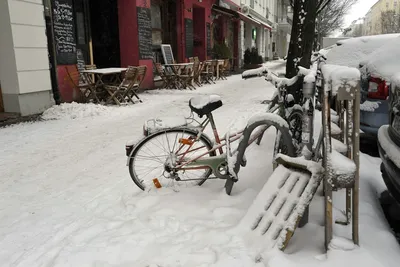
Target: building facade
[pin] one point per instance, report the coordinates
(24, 65)
(41, 41)
(272, 41)
(375, 24)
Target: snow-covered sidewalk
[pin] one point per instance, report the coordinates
(67, 198)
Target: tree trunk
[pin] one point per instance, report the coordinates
(301, 42)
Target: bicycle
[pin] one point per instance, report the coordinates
(188, 154)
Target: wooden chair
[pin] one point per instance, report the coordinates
(224, 70)
(81, 84)
(188, 78)
(197, 74)
(196, 59)
(207, 73)
(117, 92)
(166, 78)
(131, 91)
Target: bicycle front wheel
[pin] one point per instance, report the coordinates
(158, 155)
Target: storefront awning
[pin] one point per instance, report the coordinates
(225, 11)
(247, 19)
(254, 21)
(265, 25)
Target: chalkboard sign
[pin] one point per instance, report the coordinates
(144, 32)
(209, 50)
(80, 60)
(64, 32)
(189, 37)
(167, 54)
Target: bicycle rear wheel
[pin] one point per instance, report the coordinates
(156, 155)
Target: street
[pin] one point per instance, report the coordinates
(67, 198)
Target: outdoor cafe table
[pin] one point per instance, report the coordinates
(219, 64)
(99, 73)
(177, 68)
(115, 74)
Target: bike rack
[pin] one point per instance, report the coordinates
(267, 120)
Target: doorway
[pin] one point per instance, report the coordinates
(199, 34)
(105, 32)
(164, 31)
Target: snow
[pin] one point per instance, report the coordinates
(369, 105)
(383, 62)
(339, 76)
(67, 198)
(391, 149)
(254, 72)
(200, 102)
(159, 123)
(339, 146)
(341, 168)
(261, 117)
(76, 111)
(350, 52)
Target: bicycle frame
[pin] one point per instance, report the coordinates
(214, 162)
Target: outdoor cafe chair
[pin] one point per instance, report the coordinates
(138, 79)
(81, 83)
(117, 93)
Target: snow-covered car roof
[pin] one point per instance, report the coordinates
(384, 62)
(350, 52)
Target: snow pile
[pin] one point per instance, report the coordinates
(369, 105)
(75, 111)
(200, 102)
(339, 146)
(254, 72)
(336, 77)
(384, 62)
(351, 51)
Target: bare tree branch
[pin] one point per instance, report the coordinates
(323, 5)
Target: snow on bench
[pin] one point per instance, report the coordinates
(254, 72)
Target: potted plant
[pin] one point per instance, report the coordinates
(221, 51)
(252, 59)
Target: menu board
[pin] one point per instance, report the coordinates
(189, 37)
(209, 50)
(167, 54)
(64, 32)
(144, 32)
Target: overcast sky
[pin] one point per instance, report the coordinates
(359, 10)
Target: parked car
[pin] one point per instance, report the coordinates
(375, 57)
(389, 147)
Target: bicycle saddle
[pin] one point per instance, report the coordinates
(203, 105)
